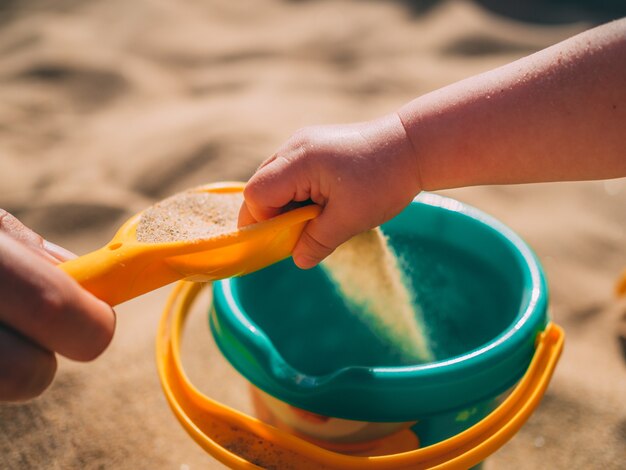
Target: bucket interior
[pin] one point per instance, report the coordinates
(465, 277)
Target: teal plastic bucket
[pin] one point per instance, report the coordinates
(483, 297)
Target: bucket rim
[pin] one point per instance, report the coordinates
(512, 348)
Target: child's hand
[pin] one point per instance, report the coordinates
(361, 174)
(42, 311)
(556, 115)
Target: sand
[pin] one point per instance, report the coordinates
(368, 276)
(108, 106)
(190, 216)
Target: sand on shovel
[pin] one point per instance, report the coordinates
(367, 275)
(189, 216)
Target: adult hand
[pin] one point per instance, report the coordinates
(42, 312)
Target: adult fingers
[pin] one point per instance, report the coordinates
(17, 230)
(48, 307)
(26, 369)
(58, 252)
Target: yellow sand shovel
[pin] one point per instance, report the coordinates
(126, 268)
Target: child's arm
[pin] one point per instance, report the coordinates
(556, 115)
(42, 311)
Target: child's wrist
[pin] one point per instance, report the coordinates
(393, 143)
(423, 123)
(411, 150)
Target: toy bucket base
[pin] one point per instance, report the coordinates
(398, 437)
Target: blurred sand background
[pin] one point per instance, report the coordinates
(106, 106)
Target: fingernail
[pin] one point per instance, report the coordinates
(57, 251)
(245, 217)
(304, 262)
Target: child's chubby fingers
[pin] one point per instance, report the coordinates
(245, 217)
(26, 369)
(310, 250)
(271, 188)
(285, 177)
(323, 234)
(43, 304)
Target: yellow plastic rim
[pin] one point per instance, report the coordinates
(244, 442)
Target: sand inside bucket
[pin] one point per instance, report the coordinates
(189, 216)
(368, 276)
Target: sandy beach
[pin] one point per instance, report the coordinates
(108, 106)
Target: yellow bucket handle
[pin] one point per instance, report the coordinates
(620, 286)
(244, 442)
